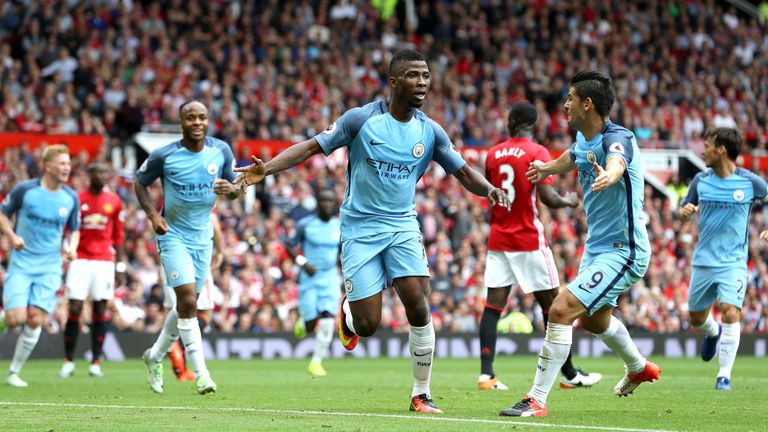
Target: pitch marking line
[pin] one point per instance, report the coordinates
(333, 413)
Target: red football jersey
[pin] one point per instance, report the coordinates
(101, 226)
(505, 166)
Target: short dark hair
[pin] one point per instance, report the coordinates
(596, 86)
(401, 58)
(522, 116)
(185, 104)
(731, 138)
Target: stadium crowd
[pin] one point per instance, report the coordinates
(285, 70)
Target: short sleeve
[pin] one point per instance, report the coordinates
(12, 202)
(445, 153)
(301, 229)
(73, 222)
(615, 144)
(228, 171)
(692, 197)
(152, 168)
(341, 132)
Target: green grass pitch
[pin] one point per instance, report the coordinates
(373, 394)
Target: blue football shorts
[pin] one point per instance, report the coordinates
(369, 262)
(21, 290)
(725, 284)
(603, 277)
(319, 293)
(183, 264)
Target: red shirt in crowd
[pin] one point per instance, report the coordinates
(505, 166)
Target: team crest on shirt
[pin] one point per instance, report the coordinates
(108, 208)
(62, 211)
(330, 129)
(212, 168)
(348, 286)
(84, 207)
(418, 150)
(591, 157)
(616, 147)
(174, 275)
(738, 195)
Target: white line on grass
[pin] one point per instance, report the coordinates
(334, 413)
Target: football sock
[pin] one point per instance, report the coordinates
(97, 336)
(323, 338)
(710, 327)
(71, 331)
(488, 323)
(421, 341)
(168, 335)
(554, 351)
(729, 345)
(24, 346)
(193, 345)
(567, 370)
(617, 339)
(348, 315)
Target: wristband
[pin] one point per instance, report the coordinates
(120, 267)
(300, 260)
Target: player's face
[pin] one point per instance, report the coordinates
(194, 121)
(98, 177)
(712, 154)
(59, 167)
(413, 83)
(574, 109)
(326, 203)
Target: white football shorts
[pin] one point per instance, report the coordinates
(532, 270)
(93, 277)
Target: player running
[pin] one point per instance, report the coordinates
(518, 253)
(390, 144)
(616, 251)
(723, 195)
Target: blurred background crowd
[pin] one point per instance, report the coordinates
(286, 69)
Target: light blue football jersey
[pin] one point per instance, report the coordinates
(386, 160)
(187, 179)
(615, 217)
(319, 241)
(41, 216)
(724, 206)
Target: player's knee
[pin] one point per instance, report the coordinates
(186, 305)
(731, 315)
(365, 327)
(34, 320)
(14, 320)
(75, 307)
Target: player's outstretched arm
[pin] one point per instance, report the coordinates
(614, 169)
(474, 182)
(539, 170)
(288, 158)
(552, 199)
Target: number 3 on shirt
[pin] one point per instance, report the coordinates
(507, 184)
